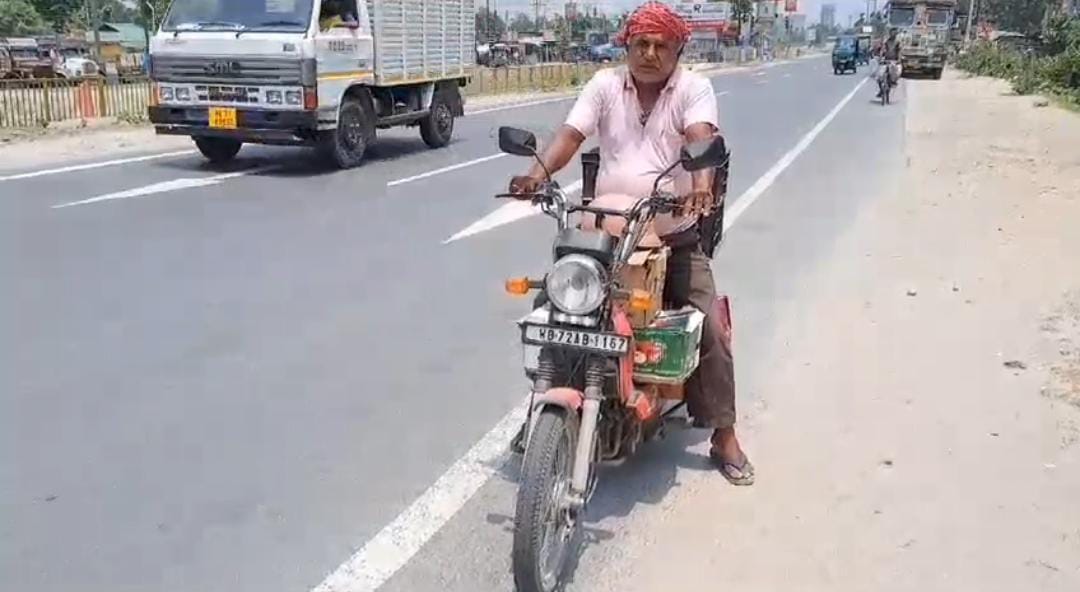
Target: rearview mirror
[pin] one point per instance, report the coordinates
(517, 141)
(704, 154)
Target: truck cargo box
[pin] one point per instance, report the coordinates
(422, 39)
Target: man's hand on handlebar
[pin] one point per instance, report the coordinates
(698, 203)
(524, 186)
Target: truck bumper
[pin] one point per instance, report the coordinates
(922, 63)
(256, 126)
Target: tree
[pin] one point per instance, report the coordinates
(489, 25)
(18, 18)
(1021, 16)
(521, 23)
(741, 12)
(58, 13)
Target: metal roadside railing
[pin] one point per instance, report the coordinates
(40, 102)
(539, 78)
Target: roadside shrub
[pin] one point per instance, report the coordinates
(1056, 71)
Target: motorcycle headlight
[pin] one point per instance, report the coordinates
(576, 284)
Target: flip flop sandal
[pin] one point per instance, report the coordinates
(735, 474)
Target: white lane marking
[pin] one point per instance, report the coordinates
(445, 169)
(381, 557)
(163, 187)
(399, 541)
(723, 92)
(506, 214)
(525, 104)
(94, 165)
(755, 191)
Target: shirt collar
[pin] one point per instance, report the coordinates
(628, 80)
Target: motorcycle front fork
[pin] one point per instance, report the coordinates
(584, 456)
(587, 423)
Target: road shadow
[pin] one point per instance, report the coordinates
(298, 161)
(646, 477)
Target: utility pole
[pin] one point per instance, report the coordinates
(538, 8)
(971, 18)
(93, 17)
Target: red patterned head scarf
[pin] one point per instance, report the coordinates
(655, 18)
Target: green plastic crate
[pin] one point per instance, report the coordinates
(666, 352)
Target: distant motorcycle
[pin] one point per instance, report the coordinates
(589, 402)
(888, 77)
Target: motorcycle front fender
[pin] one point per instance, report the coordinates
(567, 398)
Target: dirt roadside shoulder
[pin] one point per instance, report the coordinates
(934, 443)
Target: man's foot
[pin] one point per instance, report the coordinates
(730, 458)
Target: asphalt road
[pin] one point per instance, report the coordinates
(232, 379)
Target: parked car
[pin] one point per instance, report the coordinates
(78, 67)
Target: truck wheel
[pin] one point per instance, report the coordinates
(437, 128)
(355, 131)
(218, 150)
(937, 73)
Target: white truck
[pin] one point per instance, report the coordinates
(322, 73)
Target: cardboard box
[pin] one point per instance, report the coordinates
(667, 351)
(646, 270)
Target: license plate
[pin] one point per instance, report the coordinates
(600, 342)
(223, 118)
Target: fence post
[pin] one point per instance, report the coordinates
(47, 88)
(103, 105)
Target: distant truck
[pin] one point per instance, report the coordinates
(325, 74)
(21, 57)
(924, 27)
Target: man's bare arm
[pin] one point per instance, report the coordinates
(556, 156)
(701, 198)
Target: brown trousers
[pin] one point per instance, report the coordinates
(710, 392)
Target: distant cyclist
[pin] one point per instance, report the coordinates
(890, 58)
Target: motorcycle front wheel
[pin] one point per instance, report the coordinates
(544, 522)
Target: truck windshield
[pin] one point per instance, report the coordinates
(937, 16)
(902, 17)
(238, 15)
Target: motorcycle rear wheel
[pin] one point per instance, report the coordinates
(544, 524)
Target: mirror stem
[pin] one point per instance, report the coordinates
(547, 172)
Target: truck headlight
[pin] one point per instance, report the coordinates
(576, 284)
(273, 97)
(183, 94)
(166, 93)
(294, 97)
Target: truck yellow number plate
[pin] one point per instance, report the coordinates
(222, 118)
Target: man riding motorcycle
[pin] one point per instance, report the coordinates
(643, 115)
(890, 59)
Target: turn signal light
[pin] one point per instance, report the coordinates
(640, 301)
(311, 99)
(517, 286)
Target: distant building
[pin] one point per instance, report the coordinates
(122, 45)
(119, 38)
(828, 16)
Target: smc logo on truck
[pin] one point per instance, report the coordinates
(222, 68)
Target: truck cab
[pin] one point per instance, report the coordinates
(924, 27)
(320, 73)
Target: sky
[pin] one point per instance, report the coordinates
(812, 8)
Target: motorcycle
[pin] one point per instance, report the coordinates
(887, 79)
(587, 405)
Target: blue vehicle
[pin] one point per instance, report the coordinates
(845, 55)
